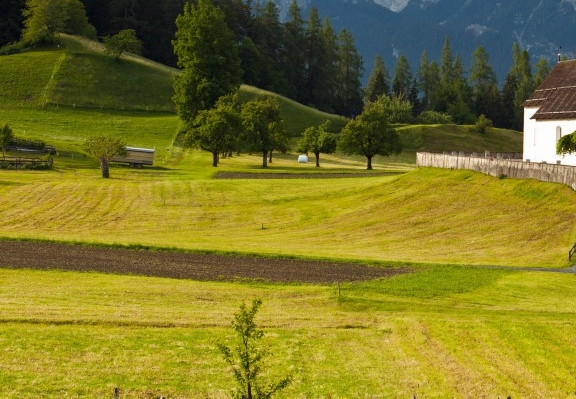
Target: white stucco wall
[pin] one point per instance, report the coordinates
(529, 131)
(540, 139)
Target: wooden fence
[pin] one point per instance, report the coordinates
(571, 252)
(26, 163)
(499, 166)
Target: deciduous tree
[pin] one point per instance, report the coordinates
(124, 41)
(317, 140)
(263, 127)
(482, 125)
(105, 148)
(215, 130)
(370, 134)
(45, 18)
(397, 108)
(566, 144)
(6, 136)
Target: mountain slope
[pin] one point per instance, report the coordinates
(407, 27)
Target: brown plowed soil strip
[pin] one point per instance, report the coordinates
(202, 267)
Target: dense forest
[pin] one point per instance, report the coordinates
(303, 58)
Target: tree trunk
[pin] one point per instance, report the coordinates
(270, 157)
(215, 158)
(369, 163)
(104, 168)
(264, 158)
(317, 154)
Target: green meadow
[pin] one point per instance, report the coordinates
(481, 312)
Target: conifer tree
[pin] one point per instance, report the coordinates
(350, 68)
(542, 70)
(484, 85)
(314, 57)
(327, 86)
(208, 54)
(428, 80)
(521, 74)
(293, 59)
(378, 81)
(402, 81)
(11, 20)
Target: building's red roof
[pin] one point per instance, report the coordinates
(556, 96)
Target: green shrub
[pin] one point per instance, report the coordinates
(482, 126)
(433, 118)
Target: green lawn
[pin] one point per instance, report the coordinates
(483, 333)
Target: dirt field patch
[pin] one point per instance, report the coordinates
(202, 267)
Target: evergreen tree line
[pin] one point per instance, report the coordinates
(302, 59)
(443, 88)
(307, 61)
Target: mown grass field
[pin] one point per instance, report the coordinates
(454, 326)
(440, 332)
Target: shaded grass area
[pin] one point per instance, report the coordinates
(501, 333)
(448, 138)
(111, 84)
(23, 78)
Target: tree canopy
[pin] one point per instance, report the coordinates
(370, 134)
(317, 140)
(124, 41)
(216, 130)
(46, 18)
(105, 148)
(378, 81)
(6, 137)
(566, 144)
(207, 51)
(263, 127)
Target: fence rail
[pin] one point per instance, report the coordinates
(486, 154)
(26, 163)
(571, 252)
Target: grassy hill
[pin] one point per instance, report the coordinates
(79, 75)
(441, 138)
(455, 325)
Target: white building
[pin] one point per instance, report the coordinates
(549, 114)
